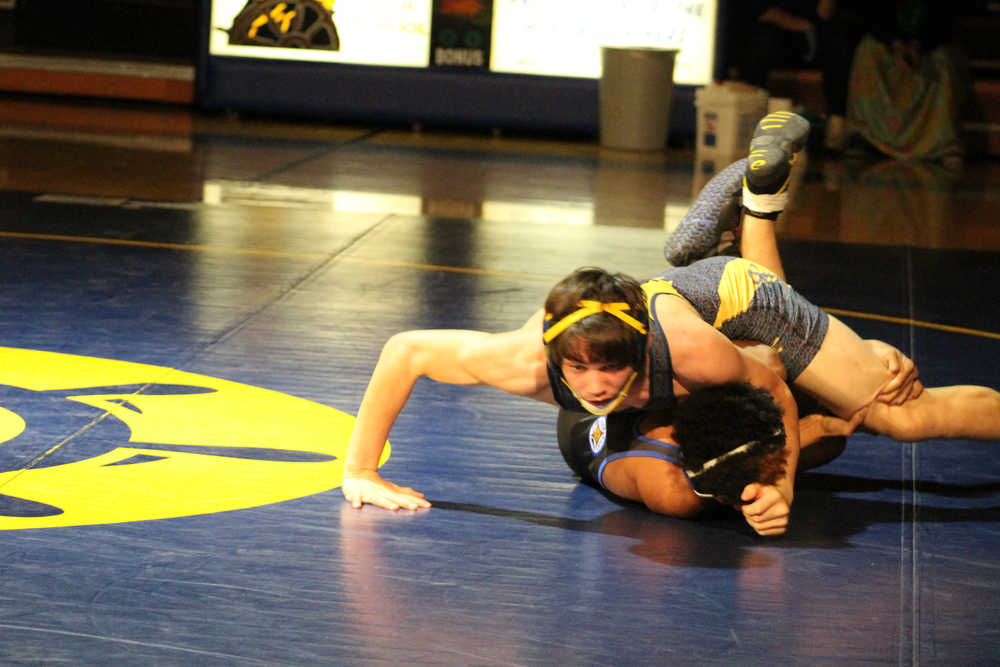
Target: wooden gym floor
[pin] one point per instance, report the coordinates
(191, 306)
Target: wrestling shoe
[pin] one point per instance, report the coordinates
(711, 225)
(773, 149)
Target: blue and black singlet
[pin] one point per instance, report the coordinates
(589, 442)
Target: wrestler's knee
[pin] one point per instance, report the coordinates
(903, 423)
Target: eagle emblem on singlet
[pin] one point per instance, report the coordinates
(598, 434)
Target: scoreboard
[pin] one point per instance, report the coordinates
(502, 62)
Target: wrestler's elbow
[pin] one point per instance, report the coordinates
(403, 351)
(664, 489)
(436, 354)
(679, 505)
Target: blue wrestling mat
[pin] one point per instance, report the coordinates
(179, 381)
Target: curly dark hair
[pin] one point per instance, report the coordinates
(715, 420)
(606, 337)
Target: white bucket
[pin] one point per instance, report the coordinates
(727, 115)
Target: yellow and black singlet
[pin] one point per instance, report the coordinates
(741, 299)
(745, 301)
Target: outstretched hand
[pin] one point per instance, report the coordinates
(765, 509)
(369, 487)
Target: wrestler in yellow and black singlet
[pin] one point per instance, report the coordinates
(741, 299)
(745, 301)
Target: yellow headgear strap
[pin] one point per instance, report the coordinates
(611, 406)
(588, 308)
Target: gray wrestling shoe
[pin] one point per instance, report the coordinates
(711, 225)
(776, 142)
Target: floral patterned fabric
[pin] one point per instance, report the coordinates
(907, 111)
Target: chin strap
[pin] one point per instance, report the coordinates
(610, 407)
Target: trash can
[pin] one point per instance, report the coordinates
(636, 86)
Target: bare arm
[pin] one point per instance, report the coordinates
(703, 356)
(767, 508)
(659, 485)
(511, 361)
(765, 513)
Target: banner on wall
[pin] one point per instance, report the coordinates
(564, 37)
(541, 37)
(363, 32)
(460, 34)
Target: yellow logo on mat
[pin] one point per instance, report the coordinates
(89, 441)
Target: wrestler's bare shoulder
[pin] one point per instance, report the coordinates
(668, 304)
(681, 323)
(699, 353)
(513, 361)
